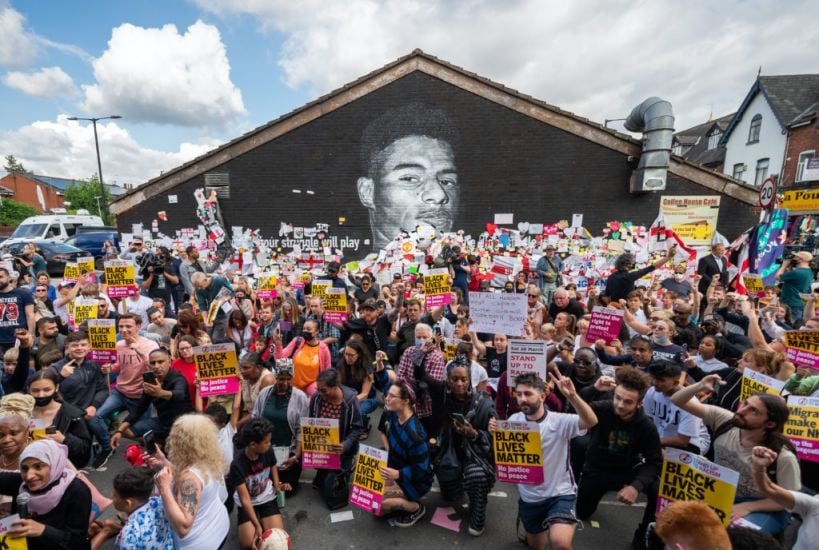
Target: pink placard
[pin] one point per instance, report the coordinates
(366, 500)
(121, 291)
(218, 386)
(367, 490)
(335, 317)
(321, 461)
(437, 300)
(266, 294)
(803, 358)
(604, 324)
(103, 356)
(524, 475)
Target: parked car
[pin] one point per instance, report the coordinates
(55, 254)
(53, 227)
(92, 241)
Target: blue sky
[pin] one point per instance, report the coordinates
(226, 66)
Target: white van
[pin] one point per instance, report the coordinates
(54, 227)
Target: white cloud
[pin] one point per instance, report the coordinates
(47, 82)
(65, 148)
(18, 46)
(597, 59)
(159, 75)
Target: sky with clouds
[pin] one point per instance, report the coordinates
(189, 75)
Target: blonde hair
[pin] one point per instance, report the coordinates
(18, 405)
(194, 442)
(11, 355)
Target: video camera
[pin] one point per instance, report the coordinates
(149, 259)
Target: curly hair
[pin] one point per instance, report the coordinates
(633, 380)
(695, 523)
(194, 442)
(19, 405)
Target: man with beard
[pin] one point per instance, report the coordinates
(547, 511)
(16, 310)
(407, 154)
(758, 421)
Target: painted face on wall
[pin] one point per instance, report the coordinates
(417, 184)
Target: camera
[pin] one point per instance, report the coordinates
(149, 259)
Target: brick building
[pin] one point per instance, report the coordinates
(511, 154)
(802, 146)
(31, 190)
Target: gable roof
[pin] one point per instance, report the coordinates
(418, 60)
(62, 184)
(789, 96)
(697, 138)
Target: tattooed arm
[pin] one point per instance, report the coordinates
(182, 503)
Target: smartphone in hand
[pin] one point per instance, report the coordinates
(150, 442)
(149, 377)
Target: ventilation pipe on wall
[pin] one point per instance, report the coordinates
(655, 118)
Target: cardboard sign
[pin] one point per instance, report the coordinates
(605, 324)
(71, 272)
(335, 305)
(367, 491)
(320, 286)
(216, 369)
(687, 476)
(120, 279)
(518, 454)
(495, 312)
(754, 285)
(524, 356)
(803, 348)
(85, 309)
(102, 334)
(802, 427)
(267, 286)
(437, 289)
(756, 382)
(317, 434)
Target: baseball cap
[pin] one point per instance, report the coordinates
(333, 266)
(367, 304)
(64, 284)
(804, 256)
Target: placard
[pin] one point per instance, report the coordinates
(317, 434)
(605, 324)
(367, 491)
(71, 272)
(802, 427)
(437, 288)
(756, 382)
(803, 348)
(319, 287)
(102, 335)
(518, 454)
(120, 279)
(216, 369)
(85, 264)
(498, 312)
(753, 285)
(7, 542)
(688, 476)
(335, 305)
(85, 309)
(450, 349)
(693, 218)
(524, 356)
(266, 286)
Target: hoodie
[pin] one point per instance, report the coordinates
(350, 424)
(85, 388)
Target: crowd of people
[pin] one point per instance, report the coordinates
(605, 413)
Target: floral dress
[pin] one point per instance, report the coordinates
(147, 528)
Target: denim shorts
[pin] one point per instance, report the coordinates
(538, 516)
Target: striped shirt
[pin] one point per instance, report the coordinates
(409, 454)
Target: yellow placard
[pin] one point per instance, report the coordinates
(71, 272)
(518, 446)
(756, 382)
(86, 264)
(102, 335)
(437, 288)
(216, 361)
(84, 312)
(687, 476)
(319, 288)
(753, 284)
(802, 426)
(120, 278)
(335, 302)
(318, 435)
(801, 201)
(367, 490)
(267, 281)
(450, 349)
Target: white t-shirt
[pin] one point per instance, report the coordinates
(672, 420)
(137, 307)
(808, 507)
(709, 365)
(555, 432)
(478, 374)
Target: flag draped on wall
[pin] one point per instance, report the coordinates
(661, 236)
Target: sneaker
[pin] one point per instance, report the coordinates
(101, 459)
(475, 532)
(410, 518)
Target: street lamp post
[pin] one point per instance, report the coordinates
(93, 121)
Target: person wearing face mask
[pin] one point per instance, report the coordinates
(426, 356)
(310, 356)
(663, 346)
(71, 429)
(678, 283)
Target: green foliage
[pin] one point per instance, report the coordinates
(84, 195)
(13, 212)
(14, 166)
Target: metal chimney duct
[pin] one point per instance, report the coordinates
(655, 118)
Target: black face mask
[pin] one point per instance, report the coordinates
(43, 401)
(307, 335)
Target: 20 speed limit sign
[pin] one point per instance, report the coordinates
(767, 193)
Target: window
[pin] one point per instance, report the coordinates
(677, 149)
(713, 138)
(753, 133)
(761, 171)
(804, 157)
(738, 169)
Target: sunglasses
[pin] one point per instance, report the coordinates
(583, 362)
(157, 362)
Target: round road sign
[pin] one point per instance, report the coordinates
(767, 193)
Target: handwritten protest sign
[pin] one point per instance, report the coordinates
(85, 309)
(756, 382)
(216, 369)
(335, 305)
(71, 272)
(102, 335)
(437, 289)
(367, 491)
(753, 284)
(267, 286)
(320, 286)
(687, 476)
(7, 542)
(524, 356)
(120, 279)
(498, 312)
(317, 434)
(605, 324)
(803, 348)
(518, 454)
(802, 426)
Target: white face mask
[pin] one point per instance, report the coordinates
(679, 277)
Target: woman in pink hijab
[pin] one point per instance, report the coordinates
(59, 503)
